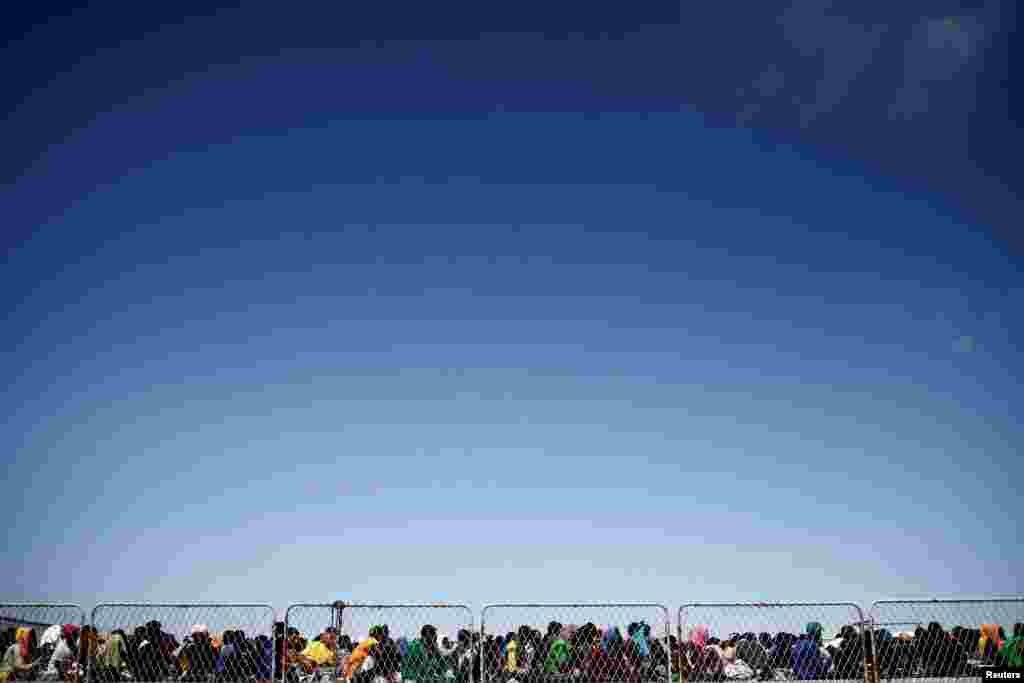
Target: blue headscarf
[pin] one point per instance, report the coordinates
(611, 636)
(641, 641)
(403, 646)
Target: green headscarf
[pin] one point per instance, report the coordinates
(558, 655)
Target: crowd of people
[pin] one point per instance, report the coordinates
(610, 655)
(935, 652)
(69, 654)
(563, 653)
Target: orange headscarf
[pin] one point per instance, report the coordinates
(359, 656)
(989, 632)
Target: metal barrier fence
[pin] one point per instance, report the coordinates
(772, 641)
(955, 639)
(197, 643)
(549, 643)
(46, 622)
(303, 623)
(444, 651)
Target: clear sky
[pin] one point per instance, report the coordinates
(278, 353)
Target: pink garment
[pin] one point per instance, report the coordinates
(699, 636)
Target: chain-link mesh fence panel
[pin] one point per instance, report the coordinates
(374, 642)
(47, 648)
(946, 639)
(306, 625)
(777, 641)
(573, 643)
(190, 643)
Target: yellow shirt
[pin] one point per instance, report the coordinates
(319, 653)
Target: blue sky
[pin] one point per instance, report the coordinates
(531, 354)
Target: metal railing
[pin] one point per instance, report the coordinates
(520, 642)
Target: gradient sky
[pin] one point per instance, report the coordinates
(491, 314)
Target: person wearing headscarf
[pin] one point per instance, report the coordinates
(752, 652)
(387, 660)
(990, 642)
(849, 658)
(110, 660)
(20, 656)
(558, 657)
(201, 657)
(231, 659)
(1012, 651)
(424, 662)
(704, 659)
(612, 634)
(62, 661)
(699, 636)
(808, 662)
(637, 635)
(361, 655)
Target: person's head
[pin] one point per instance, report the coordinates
(345, 643)
(429, 634)
(378, 633)
(70, 633)
(814, 631)
(1002, 633)
(88, 640)
(554, 628)
(200, 633)
(463, 637)
(329, 637)
(1018, 630)
(27, 643)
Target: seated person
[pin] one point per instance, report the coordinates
(319, 653)
(21, 656)
(199, 655)
(62, 661)
(808, 661)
